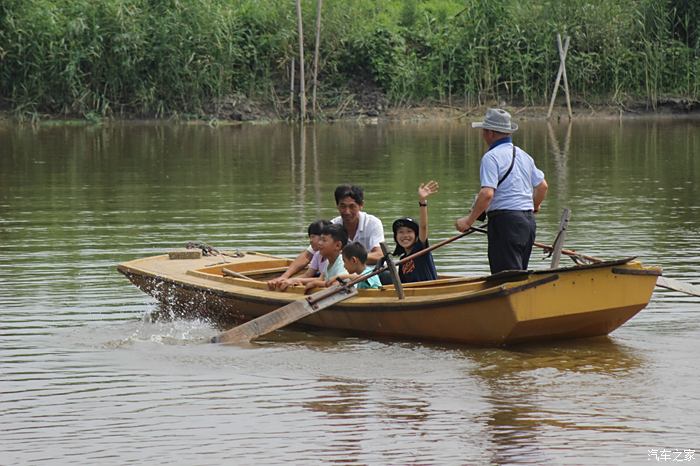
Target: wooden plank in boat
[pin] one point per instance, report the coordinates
(179, 254)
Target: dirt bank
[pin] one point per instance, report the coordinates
(369, 103)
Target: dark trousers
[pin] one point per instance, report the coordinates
(511, 236)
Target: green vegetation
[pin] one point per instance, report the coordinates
(166, 57)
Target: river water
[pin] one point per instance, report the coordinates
(87, 378)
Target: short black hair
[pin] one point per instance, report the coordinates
(355, 192)
(355, 250)
(316, 227)
(337, 232)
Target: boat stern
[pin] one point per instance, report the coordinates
(582, 302)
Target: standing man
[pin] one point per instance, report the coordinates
(362, 227)
(512, 190)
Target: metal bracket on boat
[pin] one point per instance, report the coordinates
(312, 303)
(331, 295)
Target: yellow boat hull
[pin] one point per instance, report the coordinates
(514, 307)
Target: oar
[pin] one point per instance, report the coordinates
(676, 285)
(663, 282)
(299, 309)
(546, 247)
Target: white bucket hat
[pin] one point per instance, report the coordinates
(496, 120)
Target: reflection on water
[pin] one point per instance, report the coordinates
(558, 178)
(87, 377)
(527, 388)
(598, 355)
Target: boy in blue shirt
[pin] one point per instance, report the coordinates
(355, 261)
(411, 237)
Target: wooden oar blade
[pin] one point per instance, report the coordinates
(676, 285)
(258, 326)
(281, 317)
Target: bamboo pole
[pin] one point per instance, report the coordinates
(562, 72)
(319, 5)
(302, 90)
(562, 57)
(554, 91)
(291, 91)
(301, 188)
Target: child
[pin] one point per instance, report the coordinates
(333, 240)
(317, 264)
(355, 261)
(411, 238)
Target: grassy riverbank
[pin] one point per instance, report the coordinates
(233, 58)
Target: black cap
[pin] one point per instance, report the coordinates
(403, 222)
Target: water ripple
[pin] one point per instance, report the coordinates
(87, 377)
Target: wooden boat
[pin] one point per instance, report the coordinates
(506, 308)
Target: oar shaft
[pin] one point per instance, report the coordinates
(568, 252)
(422, 252)
(374, 272)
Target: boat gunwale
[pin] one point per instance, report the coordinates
(510, 275)
(494, 292)
(510, 287)
(646, 271)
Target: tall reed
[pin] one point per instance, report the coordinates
(165, 57)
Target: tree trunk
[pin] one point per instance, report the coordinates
(319, 5)
(302, 90)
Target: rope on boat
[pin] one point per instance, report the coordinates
(579, 259)
(210, 251)
(206, 249)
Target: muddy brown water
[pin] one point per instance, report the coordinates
(86, 379)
